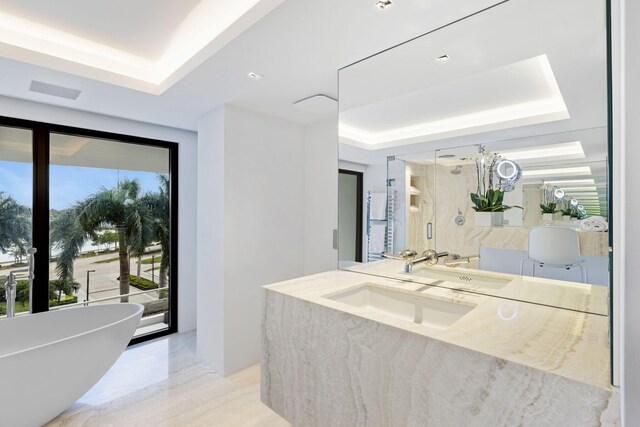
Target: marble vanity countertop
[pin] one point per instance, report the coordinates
(563, 342)
(555, 293)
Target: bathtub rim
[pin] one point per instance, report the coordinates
(140, 309)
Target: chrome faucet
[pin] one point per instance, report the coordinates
(429, 257)
(404, 255)
(454, 260)
(11, 283)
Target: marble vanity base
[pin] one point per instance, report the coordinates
(323, 367)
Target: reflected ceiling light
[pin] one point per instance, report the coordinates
(574, 182)
(580, 170)
(443, 58)
(383, 4)
(255, 76)
(206, 22)
(571, 150)
(540, 110)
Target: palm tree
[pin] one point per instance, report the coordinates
(15, 225)
(68, 237)
(121, 207)
(159, 204)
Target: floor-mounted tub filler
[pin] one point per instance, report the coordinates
(49, 360)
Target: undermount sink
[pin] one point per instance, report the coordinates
(414, 308)
(462, 278)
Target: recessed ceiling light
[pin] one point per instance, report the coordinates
(255, 76)
(383, 4)
(443, 58)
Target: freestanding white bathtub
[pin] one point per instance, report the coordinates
(49, 360)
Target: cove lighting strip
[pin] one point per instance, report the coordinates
(205, 23)
(567, 149)
(575, 182)
(552, 108)
(575, 171)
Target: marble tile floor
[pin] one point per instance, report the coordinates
(162, 383)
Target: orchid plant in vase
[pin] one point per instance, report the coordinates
(495, 175)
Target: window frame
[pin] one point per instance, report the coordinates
(41, 136)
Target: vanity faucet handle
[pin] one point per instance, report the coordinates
(453, 260)
(402, 255)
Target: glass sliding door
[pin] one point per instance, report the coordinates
(110, 225)
(16, 194)
(101, 209)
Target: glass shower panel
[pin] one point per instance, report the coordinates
(110, 225)
(455, 178)
(16, 193)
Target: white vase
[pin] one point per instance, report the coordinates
(489, 219)
(547, 218)
(566, 218)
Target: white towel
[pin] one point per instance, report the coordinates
(378, 207)
(594, 223)
(377, 234)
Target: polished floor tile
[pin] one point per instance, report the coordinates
(162, 383)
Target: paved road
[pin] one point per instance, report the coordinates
(104, 281)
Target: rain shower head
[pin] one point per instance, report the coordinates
(457, 170)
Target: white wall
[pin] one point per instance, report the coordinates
(321, 196)
(628, 136)
(251, 210)
(16, 108)
(210, 239)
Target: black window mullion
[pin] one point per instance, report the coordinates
(40, 227)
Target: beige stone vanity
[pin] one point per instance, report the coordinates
(554, 293)
(332, 359)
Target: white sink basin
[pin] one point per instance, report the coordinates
(414, 308)
(464, 279)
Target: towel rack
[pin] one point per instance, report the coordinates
(388, 221)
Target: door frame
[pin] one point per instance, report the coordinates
(359, 210)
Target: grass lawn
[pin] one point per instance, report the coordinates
(12, 266)
(142, 283)
(148, 260)
(20, 307)
(24, 305)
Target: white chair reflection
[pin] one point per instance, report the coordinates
(554, 247)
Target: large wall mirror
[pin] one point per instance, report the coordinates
(484, 144)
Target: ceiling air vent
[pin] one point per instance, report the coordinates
(318, 104)
(54, 90)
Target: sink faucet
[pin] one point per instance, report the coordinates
(454, 260)
(404, 254)
(429, 257)
(11, 284)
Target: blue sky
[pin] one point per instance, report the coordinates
(68, 183)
